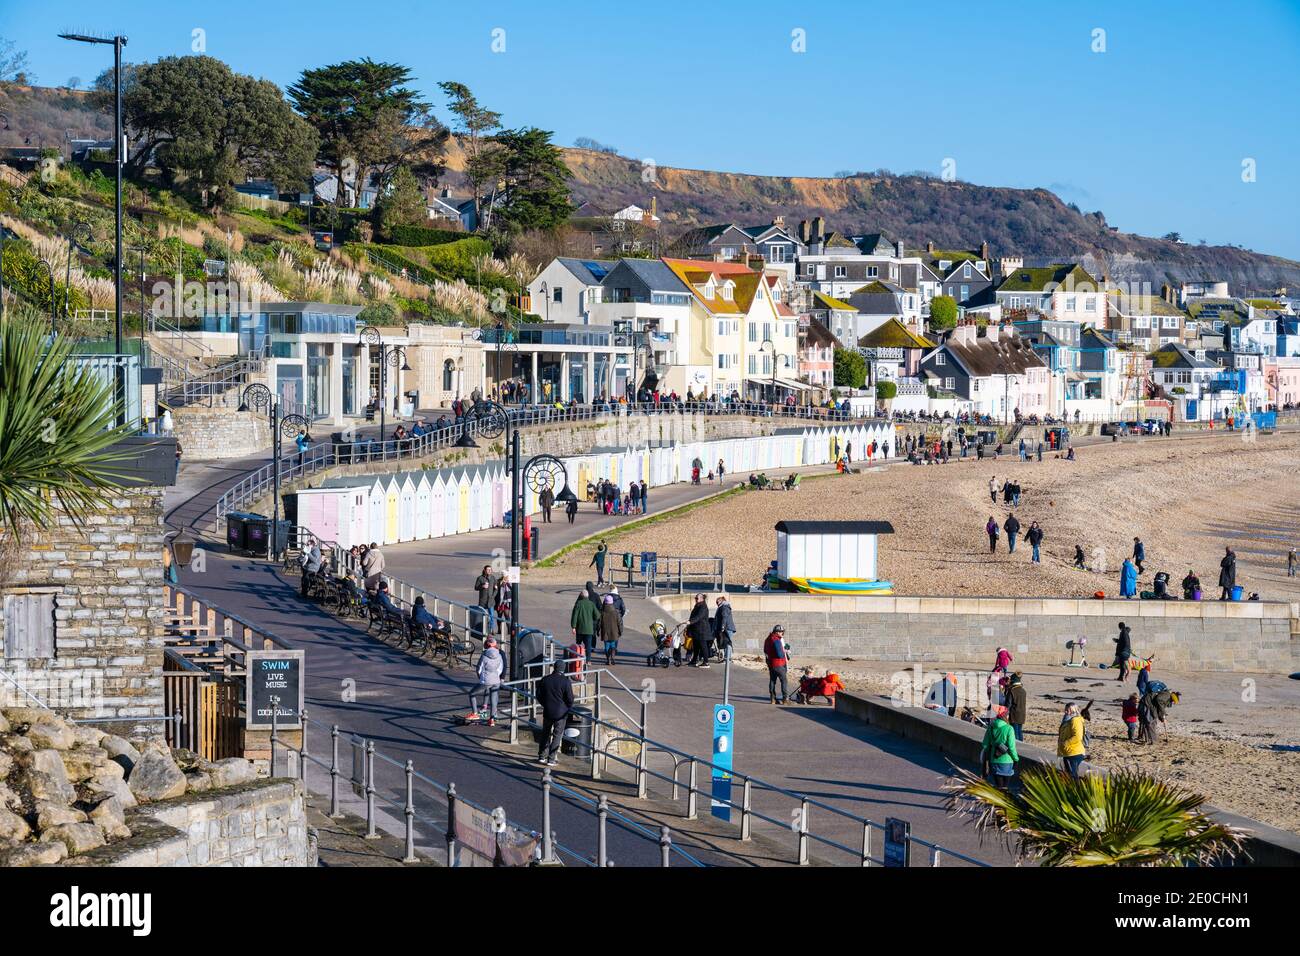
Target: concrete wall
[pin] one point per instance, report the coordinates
(211, 434)
(1191, 635)
(108, 606)
(258, 824)
(1266, 846)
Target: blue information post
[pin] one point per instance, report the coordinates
(723, 731)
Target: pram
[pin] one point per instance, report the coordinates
(695, 476)
(665, 642)
(810, 687)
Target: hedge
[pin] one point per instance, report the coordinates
(424, 236)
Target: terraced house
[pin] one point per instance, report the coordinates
(740, 341)
(1065, 292)
(1148, 321)
(998, 373)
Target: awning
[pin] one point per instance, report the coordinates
(785, 383)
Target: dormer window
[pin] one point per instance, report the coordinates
(728, 290)
(965, 272)
(944, 264)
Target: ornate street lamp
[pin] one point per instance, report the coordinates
(388, 355)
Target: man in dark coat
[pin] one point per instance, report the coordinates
(1139, 554)
(1227, 573)
(700, 632)
(555, 694)
(1123, 650)
(584, 620)
(724, 625)
(546, 499)
(1012, 527)
(1017, 706)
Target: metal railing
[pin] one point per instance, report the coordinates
(797, 820)
(217, 382)
(675, 572)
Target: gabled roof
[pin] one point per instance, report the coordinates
(820, 336)
(694, 272)
(875, 243)
(1069, 275)
(1174, 355)
(1010, 355)
(1130, 305)
(877, 287)
(588, 271)
(827, 302)
(655, 274)
(893, 334)
(1093, 337)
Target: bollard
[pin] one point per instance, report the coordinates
(866, 843)
(690, 792)
(302, 754)
(452, 855)
(746, 810)
(410, 813)
(803, 832)
(934, 856)
(642, 758)
(371, 834)
(602, 816)
(514, 716)
(548, 848)
(665, 846)
(334, 770)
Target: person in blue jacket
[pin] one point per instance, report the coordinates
(1128, 579)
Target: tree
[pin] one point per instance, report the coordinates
(537, 193)
(943, 312)
(56, 426)
(13, 63)
(483, 159)
(1173, 236)
(1122, 818)
(850, 368)
(370, 122)
(402, 204)
(197, 119)
(74, 82)
(586, 142)
(886, 390)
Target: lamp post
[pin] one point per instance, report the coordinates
(541, 471)
(117, 43)
(257, 397)
(769, 345)
(388, 355)
(54, 308)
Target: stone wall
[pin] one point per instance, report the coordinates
(106, 583)
(1190, 635)
(263, 823)
(211, 434)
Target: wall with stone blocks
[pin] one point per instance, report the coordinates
(106, 579)
(1190, 635)
(211, 434)
(263, 823)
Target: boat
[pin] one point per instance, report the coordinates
(840, 586)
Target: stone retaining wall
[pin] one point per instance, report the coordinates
(1191, 635)
(263, 823)
(211, 434)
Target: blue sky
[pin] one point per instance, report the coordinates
(1153, 131)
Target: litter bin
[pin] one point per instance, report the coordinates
(534, 542)
(577, 733)
(1237, 591)
(342, 449)
(237, 531)
(480, 619)
(259, 530)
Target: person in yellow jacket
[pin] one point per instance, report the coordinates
(1069, 740)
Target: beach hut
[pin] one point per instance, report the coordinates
(451, 504)
(392, 506)
(437, 506)
(405, 508)
(422, 493)
(500, 495)
(830, 557)
(478, 501)
(377, 498)
(462, 502)
(353, 515)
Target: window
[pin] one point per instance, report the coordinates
(873, 272)
(753, 332)
(557, 295)
(722, 327)
(808, 269)
(448, 375)
(29, 626)
(778, 253)
(1070, 303)
(727, 291)
(965, 292)
(841, 272)
(965, 271)
(948, 383)
(753, 365)
(1090, 303)
(767, 330)
(940, 358)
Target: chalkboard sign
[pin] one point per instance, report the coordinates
(274, 674)
(898, 844)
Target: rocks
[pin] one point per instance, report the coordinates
(76, 837)
(115, 786)
(200, 781)
(108, 814)
(88, 736)
(26, 715)
(6, 765)
(8, 799)
(15, 745)
(156, 776)
(82, 763)
(35, 854)
(50, 815)
(120, 750)
(51, 733)
(232, 771)
(13, 827)
(4, 723)
(46, 779)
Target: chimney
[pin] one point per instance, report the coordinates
(1167, 293)
(929, 247)
(984, 251)
(899, 251)
(991, 333)
(818, 228)
(804, 234)
(778, 221)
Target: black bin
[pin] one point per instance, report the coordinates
(259, 529)
(534, 542)
(578, 732)
(342, 449)
(237, 531)
(479, 619)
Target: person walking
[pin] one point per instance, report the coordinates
(645, 505)
(1079, 557)
(724, 625)
(698, 627)
(722, 472)
(1129, 714)
(778, 660)
(555, 694)
(998, 749)
(1128, 579)
(1227, 573)
(303, 441)
(1035, 538)
(1012, 527)
(486, 694)
(1015, 494)
(1069, 740)
(546, 499)
(1123, 650)
(611, 628)
(991, 529)
(993, 490)
(1040, 451)
(372, 567)
(598, 561)
(571, 509)
(584, 620)
(1291, 561)
(1017, 705)
(1139, 555)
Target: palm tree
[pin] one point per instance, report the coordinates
(1123, 818)
(56, 426)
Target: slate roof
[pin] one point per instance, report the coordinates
(655, 274)
(894, 335)
(1037, 280)
(1010, 355)
(589, 271)
(828, 302)
(1174, 355)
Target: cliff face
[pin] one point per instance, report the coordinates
(954, 215)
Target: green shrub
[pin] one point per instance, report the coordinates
(423, 236)
(886, 390)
